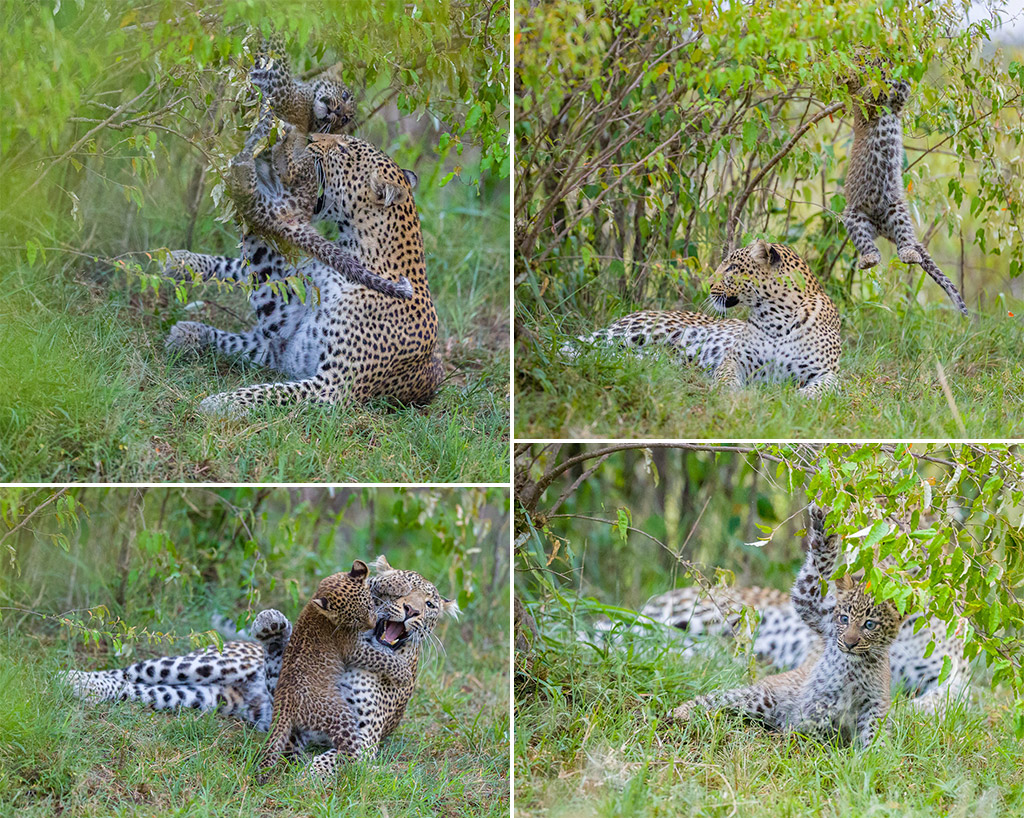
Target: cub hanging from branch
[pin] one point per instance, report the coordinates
(875, 205)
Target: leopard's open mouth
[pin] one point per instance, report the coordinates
(389, 633)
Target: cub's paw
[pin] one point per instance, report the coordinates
(869, 260)
(909, 255)
(816, 515)
(187, 337)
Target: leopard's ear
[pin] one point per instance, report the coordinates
(844, 583)
(359, 570)
(759, 251)
(411, 178)
(381, 565)
(387, 193)
(321, 603)
(449, 607)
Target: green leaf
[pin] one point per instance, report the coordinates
(624, 520)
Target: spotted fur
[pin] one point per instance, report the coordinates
(875, 205)
(326, 642)
(791, 333)
(236, 681)
(281, 202)
(323, 105)
(843, 691)
(407, 609)
(346, 342)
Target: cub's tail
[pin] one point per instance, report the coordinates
(941, 279)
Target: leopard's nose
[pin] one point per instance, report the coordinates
(410, 611)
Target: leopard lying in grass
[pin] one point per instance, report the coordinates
(791, 333)
(240, 680)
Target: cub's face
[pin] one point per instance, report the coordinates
(862, 626)
(333, 105)
(344, 598)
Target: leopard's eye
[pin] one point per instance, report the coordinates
(870, 624)
(844, 619)
(430, 603)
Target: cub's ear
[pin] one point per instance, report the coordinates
(359, 570)
(321, 603)
(386, 193)
(844, 583)
(449, 607)
(411, 178)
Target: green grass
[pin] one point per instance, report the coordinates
(890, 385)
(59, 757)
(588, 743)
(88, 393)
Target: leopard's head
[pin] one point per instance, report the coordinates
(759, 273)
(862, 625)
(407, 607)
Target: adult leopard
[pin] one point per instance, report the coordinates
(792, 331)
(345, 342)
(240, 680)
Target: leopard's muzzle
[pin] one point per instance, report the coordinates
(390, 633)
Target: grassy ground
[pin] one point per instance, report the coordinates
(88, 393)
(891, 386)
(58, 757)
(588, 744)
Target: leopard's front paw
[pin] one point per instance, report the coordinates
(187, 337)
(176, 265)
(681, 714)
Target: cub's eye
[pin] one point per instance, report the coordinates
(844, 619)
(870, 624)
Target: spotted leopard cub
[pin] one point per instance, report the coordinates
(791, 333)
(282, 204)
(875, 205)
(323, 105)
(843, 690)
(325, 643)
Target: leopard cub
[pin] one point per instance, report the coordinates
(875, 204)
(325, 643)
(841, 691)
(323, 105)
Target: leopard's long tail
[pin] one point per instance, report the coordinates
(941, 279)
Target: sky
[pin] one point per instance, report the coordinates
(1012, 30)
